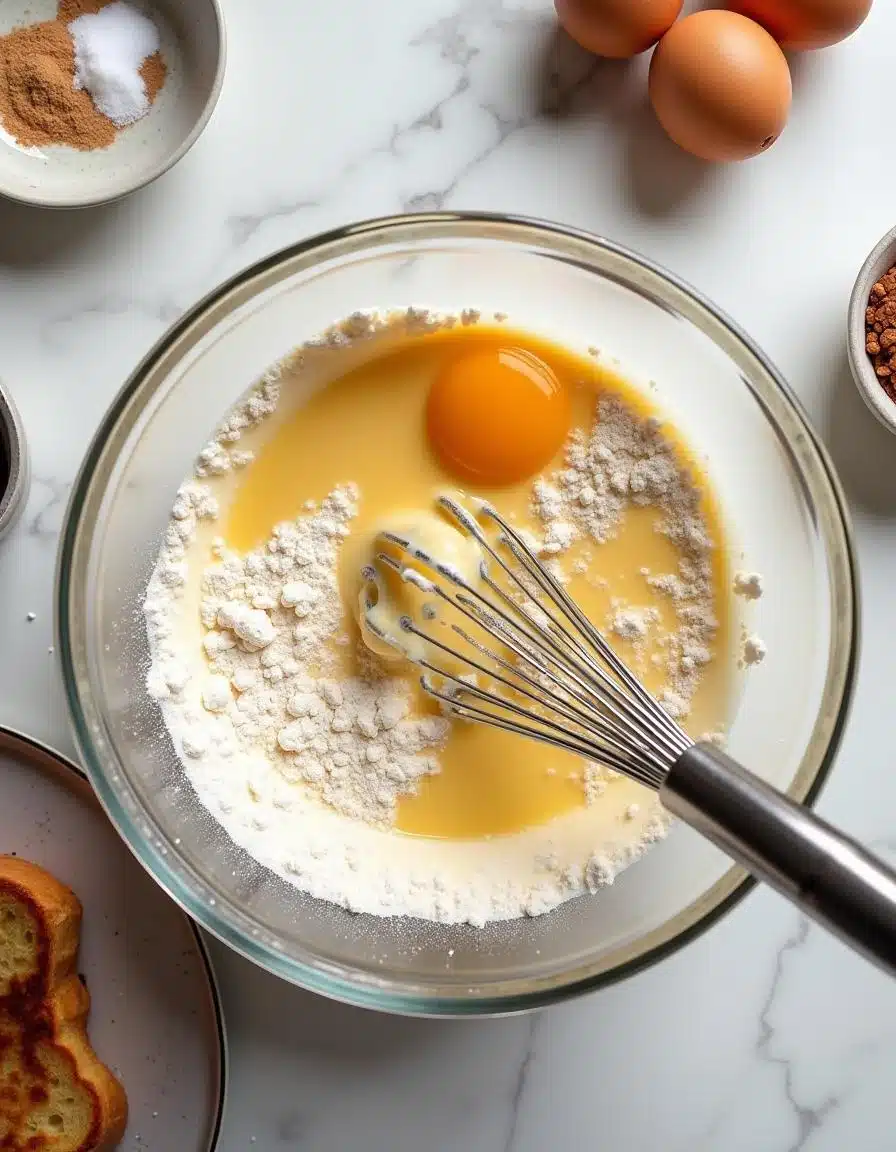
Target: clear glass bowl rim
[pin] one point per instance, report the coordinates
(516, 994)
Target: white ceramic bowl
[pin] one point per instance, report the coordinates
(882, 257)
(193, 46)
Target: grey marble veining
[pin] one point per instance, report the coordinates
(763, 1035)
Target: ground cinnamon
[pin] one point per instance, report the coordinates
(880, 331)
(69, 10)
(39, 104)
(38, 101)
(153, 72)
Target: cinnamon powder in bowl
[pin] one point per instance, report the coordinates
(40, 104)
(57, 147)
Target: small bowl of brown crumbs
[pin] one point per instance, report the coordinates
(872, 331)
(99, 97)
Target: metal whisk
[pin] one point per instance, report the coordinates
(517, 653)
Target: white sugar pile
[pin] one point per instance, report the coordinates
(110, 47)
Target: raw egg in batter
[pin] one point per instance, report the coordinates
(496, 416)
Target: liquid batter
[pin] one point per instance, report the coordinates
(369, 428)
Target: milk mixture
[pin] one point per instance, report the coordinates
(327, 762)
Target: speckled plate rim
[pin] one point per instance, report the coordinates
(44, 758)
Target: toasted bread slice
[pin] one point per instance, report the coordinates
(55, 1094)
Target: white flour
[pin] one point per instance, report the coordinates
(748, 585)
(754, 650)
(625, 460)
(270, 616)
(304, 768)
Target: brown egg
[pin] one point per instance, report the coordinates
(617, 28)
(801, 24)
(720, 86)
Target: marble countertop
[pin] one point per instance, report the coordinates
(764, 1035)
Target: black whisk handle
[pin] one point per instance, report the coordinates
(833, 879)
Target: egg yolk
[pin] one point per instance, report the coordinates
(497, 415)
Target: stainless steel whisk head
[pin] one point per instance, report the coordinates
(557, 679)
(517, 653)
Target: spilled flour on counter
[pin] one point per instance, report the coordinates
(303, 765)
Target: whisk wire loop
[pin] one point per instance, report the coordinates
(555, 677)
(500, 624)
(636, 711)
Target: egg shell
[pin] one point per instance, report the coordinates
(617, 28)
(720, 86)
(806, 24)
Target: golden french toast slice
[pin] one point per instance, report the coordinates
(55, 1093)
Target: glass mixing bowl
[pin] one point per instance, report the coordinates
(786, 518)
